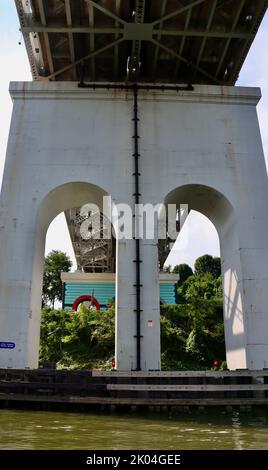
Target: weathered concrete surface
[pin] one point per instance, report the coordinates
(68, 146)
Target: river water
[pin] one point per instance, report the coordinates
(56, 430)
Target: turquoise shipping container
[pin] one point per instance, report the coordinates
(105, 292)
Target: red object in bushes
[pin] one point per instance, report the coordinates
(86, 298)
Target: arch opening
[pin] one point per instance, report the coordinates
(217, 208)
(71, 199)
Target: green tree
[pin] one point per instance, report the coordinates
(207, 264)
(200, 287)
(217, 267)
(55, 263)
(184, 270)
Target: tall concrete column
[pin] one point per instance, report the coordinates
(19, 325)
(253, 230)
(235, 327)
(150, 303)
(245, 295)
(125, 342)
(245, 253)
(126, 315)
(137, 274)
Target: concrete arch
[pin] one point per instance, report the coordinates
(67, 196)
(218, 209)
(205, 199)
(61, 198)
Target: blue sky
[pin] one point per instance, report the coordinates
(198, 235)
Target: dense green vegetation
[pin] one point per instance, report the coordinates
(83, 339)
(192, 334)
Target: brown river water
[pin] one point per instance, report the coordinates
(64, 430)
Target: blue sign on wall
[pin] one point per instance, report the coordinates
(6, 345)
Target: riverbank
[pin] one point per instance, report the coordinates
(133, 391)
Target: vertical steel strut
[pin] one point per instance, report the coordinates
(137, 195)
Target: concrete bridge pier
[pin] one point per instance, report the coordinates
(70, 146)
